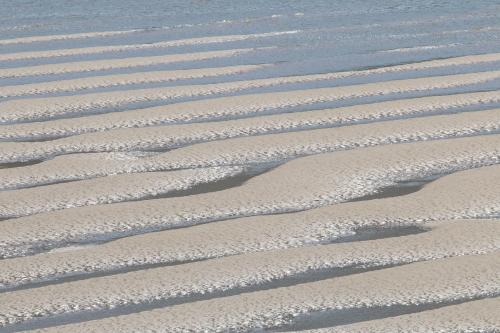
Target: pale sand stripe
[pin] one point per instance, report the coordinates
(217, 108)
(52, 107)
(113, 80)
(303, 183)
(118, 80)
(84, 35)
(465, 194)
(245, 271)
(107, 190)
(174, 136)
(254, 150)
(101, 65)
(428, 282)
(473, 316)
(136, 47)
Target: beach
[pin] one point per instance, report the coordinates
(267, 166)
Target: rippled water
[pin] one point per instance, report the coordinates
(328, 28)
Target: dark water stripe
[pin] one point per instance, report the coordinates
(19, 164)
(213, 186)
(364, 234)
(319, 319)
(351, 101)
(447, 111)
(219, 185)
(333, 318)
(400, 189)
(83, 316)
(390, 191)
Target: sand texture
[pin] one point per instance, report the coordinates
(249, 166)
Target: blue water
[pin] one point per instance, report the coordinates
(331, 35)
(21, 17)
(365, 19)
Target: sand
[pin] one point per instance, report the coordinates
(225, 107)
(444, 280)
(476, 316)
(124, 187)
(248, 150)
(251, 271)
(100, 65)
(174, 136)
(446, 198)
(119, 80)
(135, 47)
(303, 183)
(249, 168)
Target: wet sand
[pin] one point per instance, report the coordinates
(256, 167)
